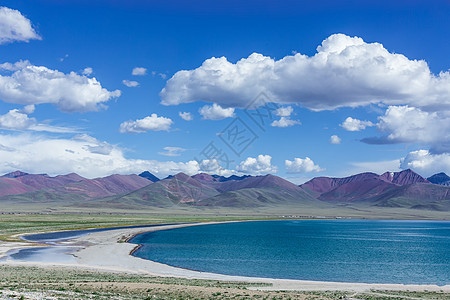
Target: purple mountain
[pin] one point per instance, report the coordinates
(391, 189)
(19, 182)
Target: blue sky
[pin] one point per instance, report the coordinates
(383, 64)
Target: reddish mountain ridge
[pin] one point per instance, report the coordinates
(403, 178)
(19, 183)
(391, 189)
(321, 185)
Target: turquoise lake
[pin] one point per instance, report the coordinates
(370, 251)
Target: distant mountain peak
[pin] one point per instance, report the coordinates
(440, 178)
(404, 177)
(204, 177)
(181, 176)
(149, 176)
(15, 174)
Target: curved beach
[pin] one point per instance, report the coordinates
(109, 251)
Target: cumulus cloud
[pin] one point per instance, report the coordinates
(351, 124)
(14, 27)
(260, 165)
(216, 112)
(130, 83)
(88, 71)
(302, 165)
(285, 122)
(404, 124)
(213, 167)
(334, 139)
(18, 119)
(139, 71)
(152, 122)
(82, 154)
(426, 163)
(29, 84)
(345, 72)
(172, 151)
(284, 111)
(187, 116)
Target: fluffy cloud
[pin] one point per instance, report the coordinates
(14, 27)
(404, 124)
(216, 112)
(334, 139)
(139, 71)
(345, 72)
(426, 163)
(130, 83)
(284, 111)
(285, 122)
(29, 84)
(351, 124)
(152, 122)
(260, 165)
(17, 119)
(187, 116)
(82, 154)
(88, 71)
(172, 151)
(302, 165)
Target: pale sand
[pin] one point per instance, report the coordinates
(103, 251)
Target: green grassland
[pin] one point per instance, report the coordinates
(67, 283)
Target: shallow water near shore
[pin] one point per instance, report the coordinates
(57, 253)
(366, 251)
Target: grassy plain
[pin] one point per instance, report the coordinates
(67, 283)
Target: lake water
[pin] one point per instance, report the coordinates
(56, 252)
(369, 251)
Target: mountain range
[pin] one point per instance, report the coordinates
(390, 190)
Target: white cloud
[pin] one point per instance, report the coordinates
(29, 84)
(139, 71)
(152, 122)
(426, 163)
(345, 72)
(187, 116)
(213, 167)
(14, 27)
(64, 57)
(405, 124)
(16, 120)
(130, 83)
(172, 151)
(29, 109)
(82, 154)
(216, 112)
(260, 165)
(88, 71)
(351, 124)
(302, 165)
(334, 139)
(284, 111)
(285, 122)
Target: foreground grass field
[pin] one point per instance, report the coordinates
(66, 283)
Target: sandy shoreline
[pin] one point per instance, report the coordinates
(107, 251)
